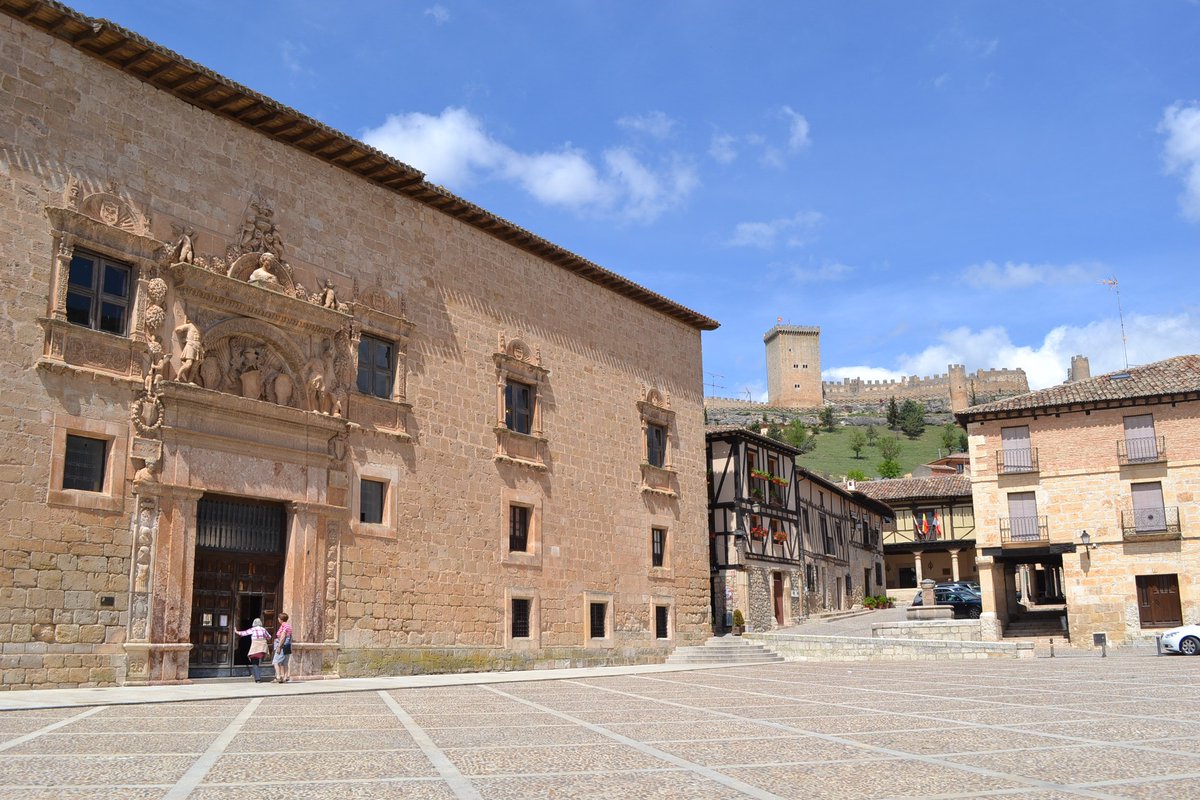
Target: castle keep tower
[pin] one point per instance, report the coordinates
(794, 366)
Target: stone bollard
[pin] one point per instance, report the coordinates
(927, 598)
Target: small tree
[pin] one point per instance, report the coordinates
(858, 440)
(912, 419)
(796, 434)
(872, 435)
(827, 421)
(893, 413)
(889, 448)
(889, 468)
(962, 441)
(950, 433)
(856, 475)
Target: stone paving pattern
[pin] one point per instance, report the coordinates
(1118, 727)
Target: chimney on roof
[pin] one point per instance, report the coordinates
(1080, 369)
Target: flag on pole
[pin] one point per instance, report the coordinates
(924, 523)
(937, 525)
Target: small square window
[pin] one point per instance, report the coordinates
(658, 546)
(656, 445)
(83, 464)
(518, 407)
(370, 501)
(518, 529)
(662, 615)
(597, 615)
(376, 367)
(521, 607)
(98, 293)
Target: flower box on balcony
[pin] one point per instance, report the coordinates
(780, 537)
(758, 533)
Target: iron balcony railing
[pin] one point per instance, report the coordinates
(1142, 450)
(1013, 462)
(1024, 530)
(1142, 521)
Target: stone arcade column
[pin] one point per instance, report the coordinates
(954, 565)
(310, 586)
(991, 586)
(917, 562)
(161, 583)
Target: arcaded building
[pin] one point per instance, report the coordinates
(1085, 494)
(251, 365)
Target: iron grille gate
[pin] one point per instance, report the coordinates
(225, 523)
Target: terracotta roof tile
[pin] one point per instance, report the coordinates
(1173, 376)
(913, 488)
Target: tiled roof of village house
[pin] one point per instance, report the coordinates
(766, 441)
(1174, 376)
(912, 488)
(201, 87)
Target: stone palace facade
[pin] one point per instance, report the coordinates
(251, 365)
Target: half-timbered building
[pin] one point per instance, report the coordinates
(786, 543)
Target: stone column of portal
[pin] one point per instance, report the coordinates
(169, 621)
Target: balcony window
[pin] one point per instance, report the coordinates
(1140, 445)
(1016, 456)
(376, 372)
(656, 445)
(518, 407)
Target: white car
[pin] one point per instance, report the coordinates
(1185, 639)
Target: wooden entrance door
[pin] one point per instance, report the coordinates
(1158, 600)
(237, 575)
(777, 595)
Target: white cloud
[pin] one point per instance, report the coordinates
(797, 129)
(439, 13)
(797, 230)
(828, 272)
(1181, 151)
(454, 148)
(721, 148)
(291, 53)
(653, 123)
(1150, 338)
(1011, 275)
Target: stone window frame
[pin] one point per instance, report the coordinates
(654, 408)
(390, 478)
(662, 601)
(111, 497)
(532, 555)
(96, 294)
(534, 640)
(608, 640)
(387, 415)
(516, 361)
(130, 246)
(666, 570)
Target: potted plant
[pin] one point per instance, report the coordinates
(739, 622)
(756, 494)
(758, 532)
(780, 537)
(761, 474)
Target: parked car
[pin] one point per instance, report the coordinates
(966, 603)
(972, 586)
(1184, 639)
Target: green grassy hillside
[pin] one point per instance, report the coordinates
(833, 457)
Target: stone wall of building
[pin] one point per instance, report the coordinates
(1080, 485)
(436, 576)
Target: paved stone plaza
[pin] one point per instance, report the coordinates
(1123, 726)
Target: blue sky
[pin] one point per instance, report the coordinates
(929, 182)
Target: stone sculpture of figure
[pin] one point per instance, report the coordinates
(152, 371)
(210, 373)
(328, 294)
(322, 382)
(263, 274)
(184, 251)
(283, 389)
(251, 374)
(149, 471)
(191, 352)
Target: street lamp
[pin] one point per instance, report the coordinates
(1085, 539)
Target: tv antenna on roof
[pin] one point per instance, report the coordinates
(712, 384)
(1120, 314)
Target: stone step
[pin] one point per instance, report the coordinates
(724, 650)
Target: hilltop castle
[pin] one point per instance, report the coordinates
(794, 380)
